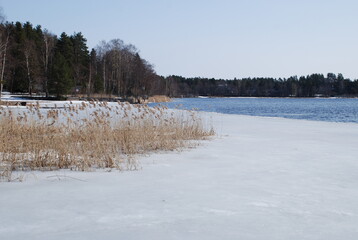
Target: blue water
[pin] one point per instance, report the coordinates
(318, 109)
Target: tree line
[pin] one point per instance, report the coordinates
(33, 60)
(314, 85)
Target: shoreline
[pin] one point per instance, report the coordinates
(272, 97)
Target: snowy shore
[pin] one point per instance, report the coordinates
(260, 178)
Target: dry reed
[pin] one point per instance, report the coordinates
(91, 135)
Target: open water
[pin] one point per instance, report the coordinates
(318, 109)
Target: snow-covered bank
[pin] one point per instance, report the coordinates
(262, 178)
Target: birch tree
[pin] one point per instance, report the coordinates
(47, 55)
(102, 49)
(4, 40)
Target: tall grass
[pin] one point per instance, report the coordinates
(91, 135)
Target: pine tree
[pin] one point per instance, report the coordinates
(18, 70)
(61, 81)
(81, 60)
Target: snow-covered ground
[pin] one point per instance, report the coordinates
(261, 178)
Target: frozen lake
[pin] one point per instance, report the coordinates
(261, 178)
(318, 109)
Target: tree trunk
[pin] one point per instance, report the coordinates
(104, 75)
(28, 73)
(89, 81)
(3, 66)
(46, 65)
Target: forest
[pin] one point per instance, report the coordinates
(35, 61)
(314, 85)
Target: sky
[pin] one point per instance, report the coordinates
(212, 38)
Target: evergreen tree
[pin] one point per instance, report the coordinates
(61, 81)
(64, 46)
(81, 60)
(17, 60)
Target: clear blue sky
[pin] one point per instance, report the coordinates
(213, 38)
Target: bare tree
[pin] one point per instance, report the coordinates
(4, 40)
(47, 52)
(89, 84)
(29, 55)
(124, 72)
(3, 48)
(102, 49)
(2, 16)
(116, 62)
(92, 71)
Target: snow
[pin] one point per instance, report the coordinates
(260, 178)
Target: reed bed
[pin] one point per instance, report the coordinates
(91, 135)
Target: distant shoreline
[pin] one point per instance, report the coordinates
(270, 97)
